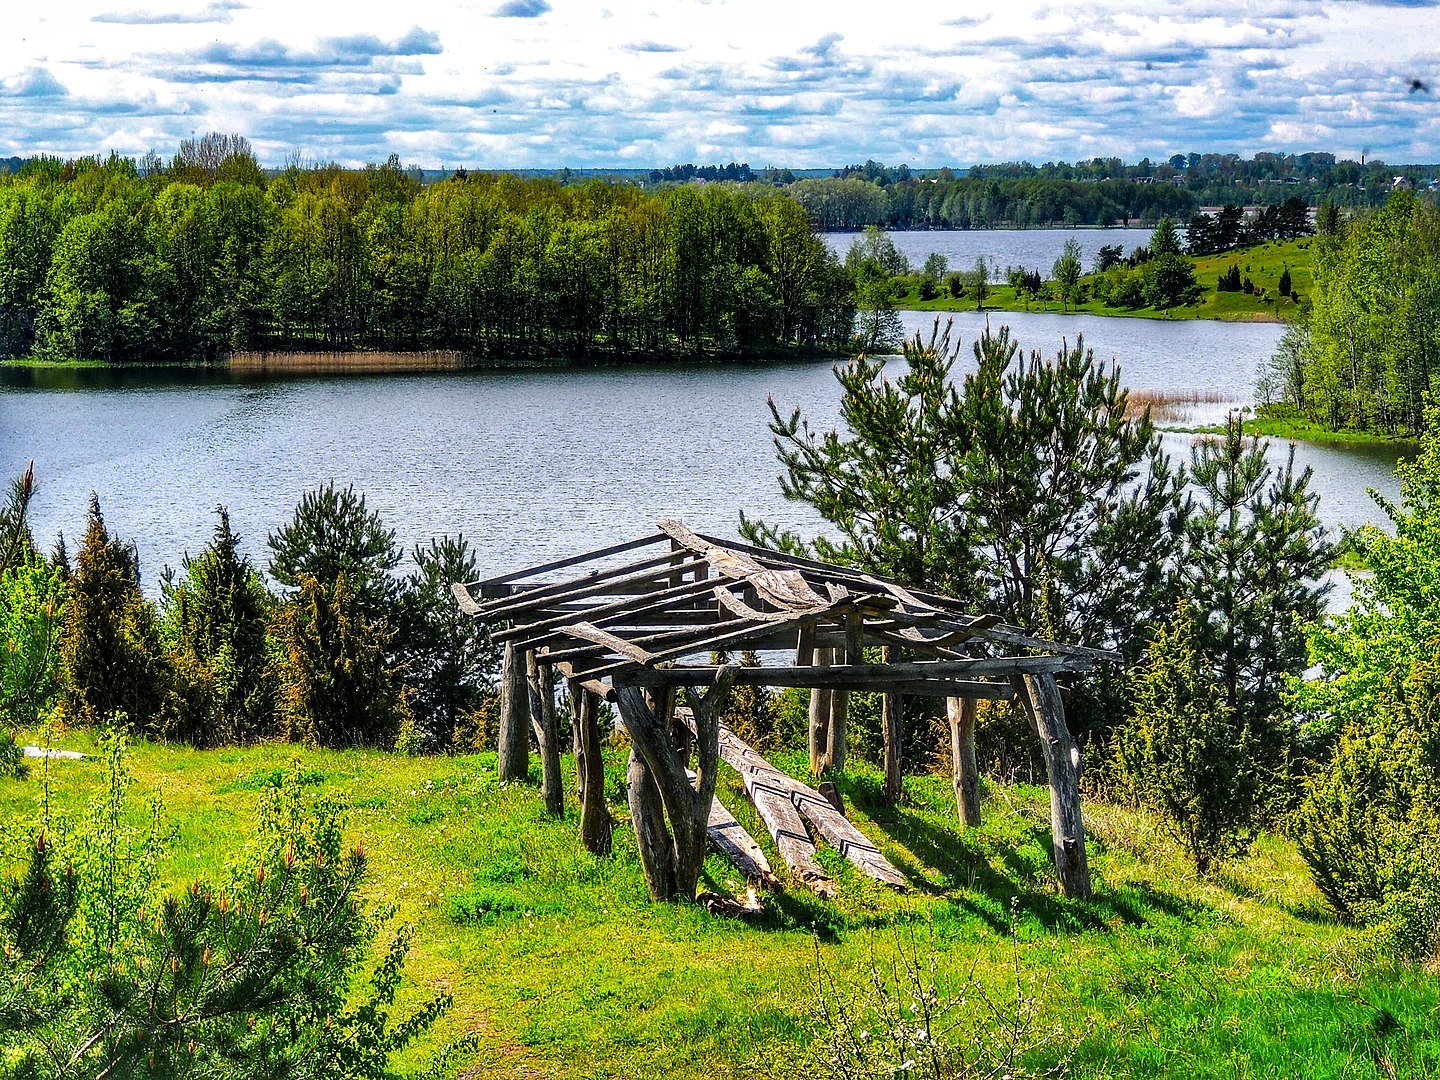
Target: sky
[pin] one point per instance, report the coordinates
(554, 83)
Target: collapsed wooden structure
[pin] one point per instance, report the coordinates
(637, 623)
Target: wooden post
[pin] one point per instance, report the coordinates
(820, 701)
(541, 681)
(514, 743)
(964, 774)
(1062, 766)
(673, 853)
(595, 823)
(894, 714)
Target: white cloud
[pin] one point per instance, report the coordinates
(549, 82)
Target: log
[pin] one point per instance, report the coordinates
(595, 822)
(964, 774)
(1062, 767)
(729, 838)
(514, 740)
(830, 823)
(791, 837)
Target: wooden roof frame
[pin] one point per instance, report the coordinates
(652, 621)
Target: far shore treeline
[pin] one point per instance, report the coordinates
(108, 261)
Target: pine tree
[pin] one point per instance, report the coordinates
(214, 618)
(1185, 753)
(1285, 283)
(110, 646)
(337, 686)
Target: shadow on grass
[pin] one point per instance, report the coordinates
(971, 882)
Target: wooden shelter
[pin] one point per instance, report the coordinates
(636, 624)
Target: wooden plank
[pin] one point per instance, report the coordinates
(572, 560)
(467, 602)
(591, 612)
(731, 840)
(610, 641)
(864, 676)
(829, 822)
(592, 584)
(1062, 768)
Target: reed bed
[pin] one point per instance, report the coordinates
(1170, 404)
(341, 363)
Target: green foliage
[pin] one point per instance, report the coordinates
(1185, 752)
(750, 711)
(1373, 328)
(1377, 799)
(878, 330)
(193, 262)
(1168, 281)
(447, 657)
(32, 597)
(256, 977)
(110, 654)
(1165, 240)
(214, 622)
(332, 533)
(1255, 554)
(1066, 271)
(1028, 473)
(337, 684)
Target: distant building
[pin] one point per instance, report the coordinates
(1402, 183)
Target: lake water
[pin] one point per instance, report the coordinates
(528, 464)
(1034, 249)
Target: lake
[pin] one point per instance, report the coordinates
(529, 464)
(1034, 249)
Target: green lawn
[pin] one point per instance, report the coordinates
(566, 968)
(1263, 264)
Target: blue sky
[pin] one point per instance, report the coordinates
(549, 83)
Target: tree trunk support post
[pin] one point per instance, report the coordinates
(670, 812)
(595, 823)
(541, 680)
(820, 705)
(893, 708)
(965, 776)
(514, 740)
(1062, 766)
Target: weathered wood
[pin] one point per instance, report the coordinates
(615, 644)
(730, 839)
(792, 839)
(893, 712)
(840, 832)
(805, 643)
(514, 739)
(595, 822)
(594, 584)
(964, 774)
(540, 679)
(594, 613)
(1062, 767)
(847, 676)
(572, 560)
(673, 853)
(819, 726)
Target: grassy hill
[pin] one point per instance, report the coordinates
(566, 968)
(1263, 264)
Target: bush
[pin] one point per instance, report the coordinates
(110, 645)
(1184, 753)
(337, 687)
(32, 598)
(214, 622)
(255, 978)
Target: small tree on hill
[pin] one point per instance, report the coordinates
(1285, 282)
(1165, 240)
(980, 277)
(214, 620)
(337, 687)
(1067, 271)
(332, 533)
(1184, 753)
(110, 647)
(447, 656)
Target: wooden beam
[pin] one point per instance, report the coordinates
(572, 560)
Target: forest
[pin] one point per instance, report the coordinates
(116, 262)
(1027, 487)
(1362, 356)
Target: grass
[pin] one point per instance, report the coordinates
(565, 968)
(1286, 422)
(1263, 264)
